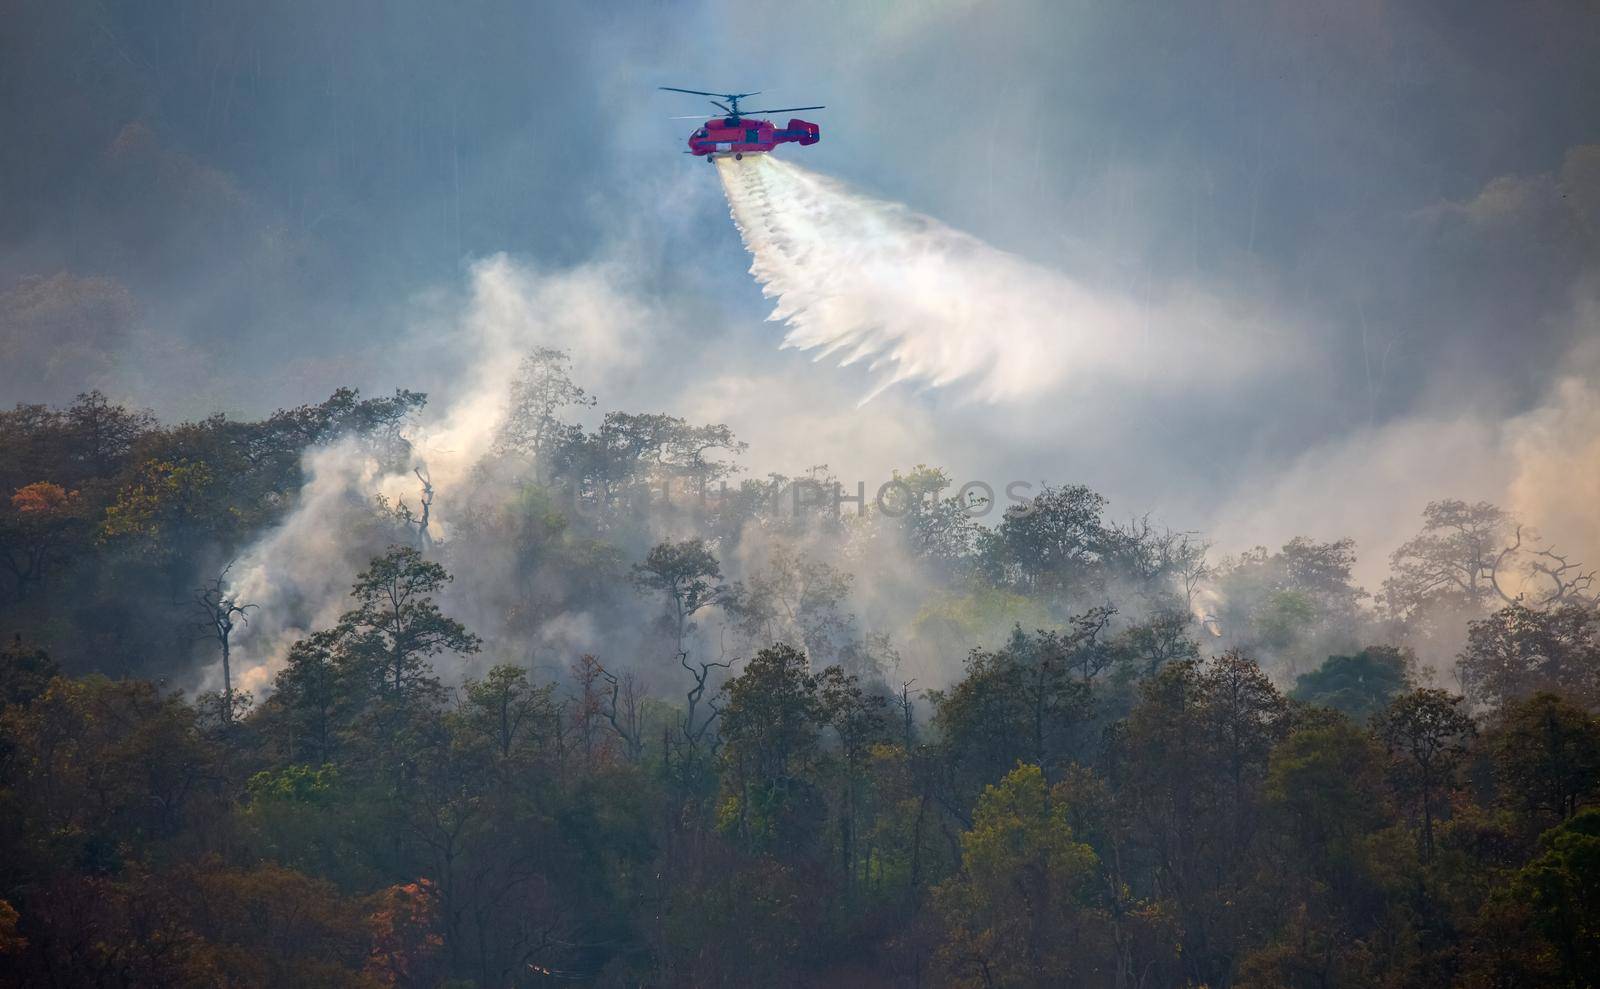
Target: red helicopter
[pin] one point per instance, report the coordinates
(737, 133)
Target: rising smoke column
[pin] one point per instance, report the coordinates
(299, 572)
(863, 280)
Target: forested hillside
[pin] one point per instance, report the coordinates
(890, 744)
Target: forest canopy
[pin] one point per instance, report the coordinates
(907, 747)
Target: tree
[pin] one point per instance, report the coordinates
(633, 452)
(1028, 702)
(102, 434)
(11, 943)
(1477, 556)
(586, 708)
(1294, 604)
(688, 576)
(773, 712)
(1189, 764)
(1022, 912)
(265, 457)
(310, 690)
(1547, 757)
(1053, 543)
(25, 672)
(220, 610)
(794, 598)
(1162, 565)
(396, 626)
(1245, 717)
(532, 425)
(376, 423)
(694, 726)
(109, 765)
(168, 511)
(623, 709)
(769, 727)
(1358, 686)
(1562, 889)
(941, 530)
(859, 721)
(1143, 648)
(1518, 651)
(269, 925)
(507, 712)
(1426, 735)
(1324, 783)
(1455, 554)
(34, 535)
(1324, 795)
(406, 939)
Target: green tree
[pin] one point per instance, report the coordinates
(1190, 762)
(859, 721)
(771, 721)
(396, 626)
(1518, 651)
(1562, 890)
(1052, 544)
(110, 767)
(25, 672)
(687, 576)
(1029, 701)
(310, 691)
(507, 713)
(1297, 603)
(532, 426)
(1023, 910)
(1546, 756)
(1426, 734)
(795, 598)
(1358, 686)
(168, 511)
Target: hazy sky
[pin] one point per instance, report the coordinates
(1379, 223)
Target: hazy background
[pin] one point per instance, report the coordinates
(1380, 222)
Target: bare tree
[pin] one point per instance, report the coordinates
(1193, 569)
(623, 709)
(907, 713)
(427, 507)
(1477, 553)
(1569, 582)
(401, 513)
(221, 612)
(588, 707)
(694, 726)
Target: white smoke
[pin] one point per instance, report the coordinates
(297, 577)
(855, 277)
(298, 574)
(860, 279)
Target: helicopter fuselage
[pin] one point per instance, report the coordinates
(723, 137)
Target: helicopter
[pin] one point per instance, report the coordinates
(738, 132)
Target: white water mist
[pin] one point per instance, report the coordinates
(859, 279)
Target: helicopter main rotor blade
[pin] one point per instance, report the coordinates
(701, 92)
(784, 109)
(723, 107)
